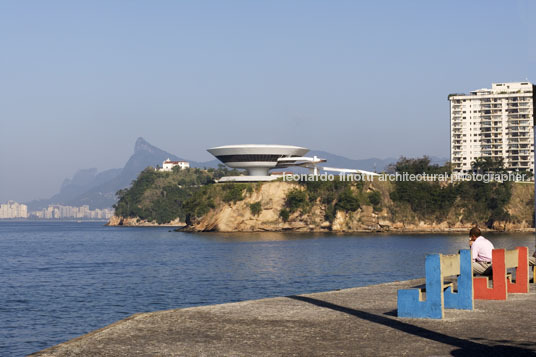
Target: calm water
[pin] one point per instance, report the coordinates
(59, 280)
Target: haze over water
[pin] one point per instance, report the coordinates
(60, 279)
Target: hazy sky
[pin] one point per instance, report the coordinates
(81, 80)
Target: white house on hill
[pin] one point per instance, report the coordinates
(168, 165)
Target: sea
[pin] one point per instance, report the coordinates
(59, 280)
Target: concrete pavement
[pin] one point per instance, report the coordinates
(351, 322)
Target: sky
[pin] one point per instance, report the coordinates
(81, 80)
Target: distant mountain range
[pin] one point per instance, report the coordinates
(97, 189)
(373, 164)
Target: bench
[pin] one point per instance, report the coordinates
(520, 262)
(459, 265)
(501, 260)
(440, 295)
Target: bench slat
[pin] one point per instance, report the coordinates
(511, 258)
(450, 264)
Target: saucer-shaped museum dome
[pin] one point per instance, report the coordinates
(256, 159)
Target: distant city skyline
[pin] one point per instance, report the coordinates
(69, 212)
(16, 210)
(82, 80)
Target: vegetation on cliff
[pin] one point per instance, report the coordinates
(209, 196)
(164, 196)
(336, 195)
(481, 202)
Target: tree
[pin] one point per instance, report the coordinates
(375, 198)
(418, 166)
(484, 165)
(255, 208)
(284, 214)
(347, 201)
(296, 199)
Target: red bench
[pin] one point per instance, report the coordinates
(502, 282)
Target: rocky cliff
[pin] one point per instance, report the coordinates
(240, 217)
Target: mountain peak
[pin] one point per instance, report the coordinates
(143, 145)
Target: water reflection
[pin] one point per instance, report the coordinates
(258, 236)
(504, 240)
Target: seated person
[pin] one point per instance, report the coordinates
(480, 252)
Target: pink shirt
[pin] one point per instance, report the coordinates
(481, 250)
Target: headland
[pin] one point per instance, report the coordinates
(190, 197)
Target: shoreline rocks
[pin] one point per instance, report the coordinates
(116, 221)
(382, 226)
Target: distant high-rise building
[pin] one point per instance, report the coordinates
(13, 209)
(494, 123)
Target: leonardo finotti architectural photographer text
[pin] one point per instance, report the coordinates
(404, 176)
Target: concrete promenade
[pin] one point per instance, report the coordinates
(351, 322)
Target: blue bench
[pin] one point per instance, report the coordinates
(440, 295)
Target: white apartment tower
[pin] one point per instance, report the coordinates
(497, 123)
(13, 209)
